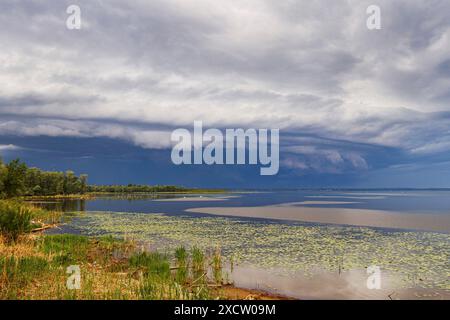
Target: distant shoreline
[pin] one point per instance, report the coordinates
(93, 195)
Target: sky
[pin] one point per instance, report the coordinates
(355, 107)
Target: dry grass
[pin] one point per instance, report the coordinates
(23, 248)
(35, 268)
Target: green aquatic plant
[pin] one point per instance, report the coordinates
(181, 257)
(198, 265)
(151, 263)
(418, 259)
(217, 266)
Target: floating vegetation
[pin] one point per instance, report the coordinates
(419, 259)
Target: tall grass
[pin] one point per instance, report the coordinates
(35, 268)
(198, 263)
(15, 219)
(18, 218)
(217, 266)
(19, 272)
(181, 257)
(159, 282)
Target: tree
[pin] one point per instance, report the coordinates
(16, 179)
(83, 183)
(3, 174)
(33, 179)
(14, 184)
(72, 184)
(37, 190)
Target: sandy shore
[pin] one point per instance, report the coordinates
(341, 216)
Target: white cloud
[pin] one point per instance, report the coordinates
(151, 139)
(304, 67)
(7, 147)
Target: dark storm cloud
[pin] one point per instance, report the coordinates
(39, 100)
(310, 68)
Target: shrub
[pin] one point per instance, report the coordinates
(152, 263)
(15, 219)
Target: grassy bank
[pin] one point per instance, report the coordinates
(36, 268)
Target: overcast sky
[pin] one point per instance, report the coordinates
(355, 107)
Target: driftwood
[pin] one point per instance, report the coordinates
(45, 227)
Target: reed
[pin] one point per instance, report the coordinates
(181, 257)
(15, 220)
(18, 218)
(217, 266)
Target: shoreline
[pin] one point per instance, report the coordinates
(94, 195)
(307, 289)
(225, 291)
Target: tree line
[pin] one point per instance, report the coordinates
(133, 188)
(17, 179)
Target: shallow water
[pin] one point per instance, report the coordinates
(408, 202)
(302, 260)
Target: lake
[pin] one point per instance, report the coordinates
(304, 244)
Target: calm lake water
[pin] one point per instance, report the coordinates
(292, 258)
(408, 202)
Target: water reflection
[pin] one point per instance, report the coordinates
(408, 202)
(107, 202)
(63, 205)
